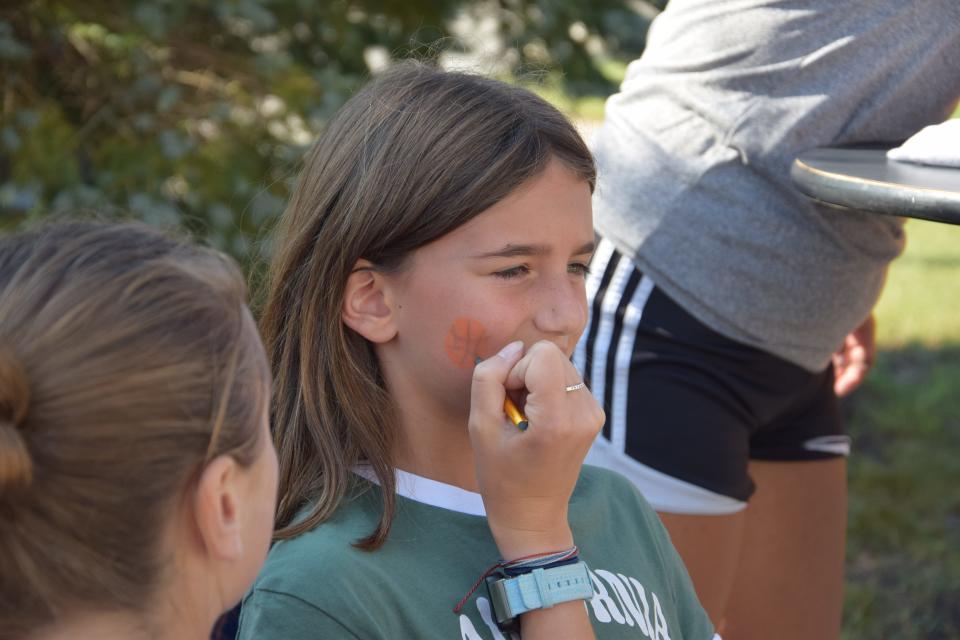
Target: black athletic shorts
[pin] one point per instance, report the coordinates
(687, 407)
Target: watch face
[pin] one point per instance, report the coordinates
(507, 621)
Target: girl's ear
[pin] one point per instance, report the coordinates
(365, 305)
(216, 509)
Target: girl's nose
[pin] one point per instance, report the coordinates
(562, 309)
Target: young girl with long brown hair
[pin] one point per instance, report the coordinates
(137, 476)
(442, 220)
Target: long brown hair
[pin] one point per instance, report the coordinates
(411, 157)
(127, 360)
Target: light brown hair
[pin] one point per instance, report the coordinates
(411, 157)
(128, 359)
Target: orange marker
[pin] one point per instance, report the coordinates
(511, 410)
(514, 414)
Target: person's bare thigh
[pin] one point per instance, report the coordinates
(710, 548)
(789, 579)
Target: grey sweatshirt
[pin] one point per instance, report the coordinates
(695, 151)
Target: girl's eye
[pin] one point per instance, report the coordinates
(513, 272)
(579, 268)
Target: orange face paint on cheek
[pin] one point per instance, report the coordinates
(464, 342)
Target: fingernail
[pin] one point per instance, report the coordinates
(511, 350)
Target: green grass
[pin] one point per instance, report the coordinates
(903, 551)
(919, 304)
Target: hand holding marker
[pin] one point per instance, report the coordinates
(509, 408)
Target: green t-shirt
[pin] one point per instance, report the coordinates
(319, 586)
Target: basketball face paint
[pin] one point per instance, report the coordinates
(465, 341)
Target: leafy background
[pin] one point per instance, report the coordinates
(194, 115)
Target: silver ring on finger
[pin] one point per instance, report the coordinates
(574, 387)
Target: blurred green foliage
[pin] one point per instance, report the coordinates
(194, 114)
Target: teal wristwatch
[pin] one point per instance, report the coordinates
(539, 589)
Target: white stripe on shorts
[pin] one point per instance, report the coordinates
(836, 444)
(622, 358)
(601, 345)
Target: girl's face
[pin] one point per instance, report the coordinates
(514, 272)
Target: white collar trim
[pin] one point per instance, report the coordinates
(431, 492)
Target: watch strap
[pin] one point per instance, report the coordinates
(539, 589)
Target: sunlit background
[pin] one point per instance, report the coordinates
(194, 115)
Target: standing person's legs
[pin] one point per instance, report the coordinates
(711, 548)
(774, 570)
(789, 582)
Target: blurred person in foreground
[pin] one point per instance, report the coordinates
(137, 474)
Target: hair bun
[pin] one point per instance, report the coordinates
(16, 467)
